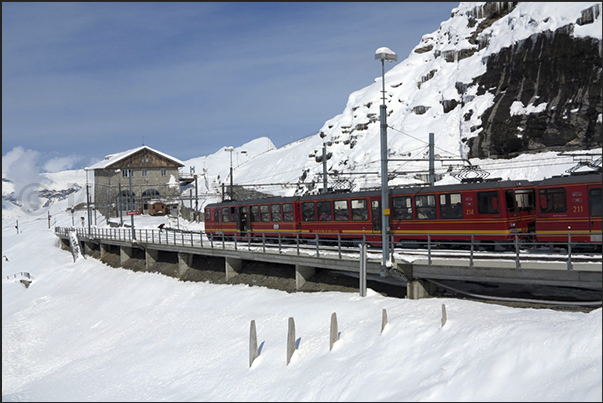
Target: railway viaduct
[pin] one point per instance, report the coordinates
(415, 275)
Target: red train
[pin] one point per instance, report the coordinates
(550, 210)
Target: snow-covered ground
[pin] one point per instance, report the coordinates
(84, 331)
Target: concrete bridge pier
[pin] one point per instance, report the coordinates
(185, 261)
(233, 267)
(417, 289)
(302, 274)
(88, 248)
(104, 249)
(150, 256)
(125, 253)
(65, 244)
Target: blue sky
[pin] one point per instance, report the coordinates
(83, 80)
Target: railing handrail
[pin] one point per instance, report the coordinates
(23, 273)
(331, 239)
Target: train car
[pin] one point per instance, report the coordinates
(253, 218)
(569, 209)
(346, 216)
(492, 213)
(488, 211)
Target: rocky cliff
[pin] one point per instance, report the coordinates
(559, 76)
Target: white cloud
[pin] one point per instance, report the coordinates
(61, 163)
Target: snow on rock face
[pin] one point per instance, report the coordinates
(462, 80)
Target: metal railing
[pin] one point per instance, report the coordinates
(519, 247)
(20, 274)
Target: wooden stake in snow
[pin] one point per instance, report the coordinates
(253, 344)
(334, 332)
(290, 340)
(443, 315)
(383, 320)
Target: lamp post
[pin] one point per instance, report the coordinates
(384, 54)
(230, 149)
(88, 202)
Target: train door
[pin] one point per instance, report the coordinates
(376, 222)
(594, 213)
(376, 215)
(520, 205)
(243, 222)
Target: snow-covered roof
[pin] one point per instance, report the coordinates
(113, 158)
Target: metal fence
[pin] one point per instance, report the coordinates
(333, 244)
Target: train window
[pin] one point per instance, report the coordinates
(255, 213)
(426, 207)
(487, 202)
(402, 208)
(207, 215)
(525, 199)
(217, 215)
(225, 216)
(288, 212)
(275, 212)
(553, 200)
(359, 210)
(264, 213)
(323, 208)
(342, 211)
(510, 200)
(594, 202)
(308, 213)
(451, 206)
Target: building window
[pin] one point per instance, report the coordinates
(144, 172)
(163, 171)
(127, 173)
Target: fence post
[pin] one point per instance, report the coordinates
(443, 315)
(334, 336)
(290, 340)
(317, 247)
(253, 344)
(297, 243)
(517, 263)
(471, 254)
(339, 244)
(263, 242)
(383, 320)
(428, 248)
(362, 269)
(569, 251)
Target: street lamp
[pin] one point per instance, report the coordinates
(230, 149)
(384, 54)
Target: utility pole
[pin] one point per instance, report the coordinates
(431, 160)
(120, 207)
(132, 205)
(384, 54)
(196, 199)
(324, 168)
(88, 206)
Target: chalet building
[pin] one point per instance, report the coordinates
(154, 177)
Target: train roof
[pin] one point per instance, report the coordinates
(558, 180)
(571, 179)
